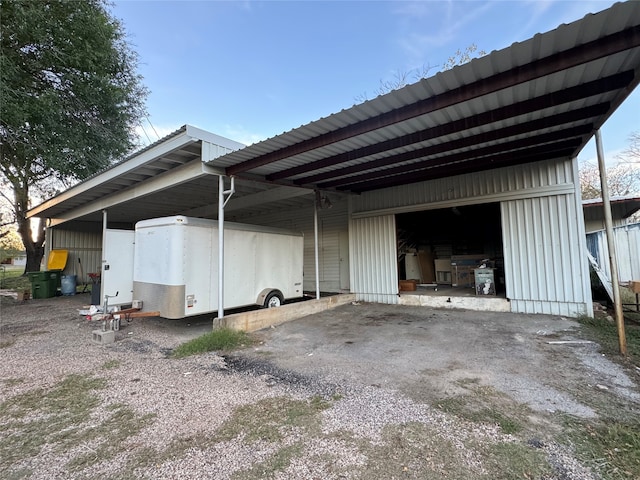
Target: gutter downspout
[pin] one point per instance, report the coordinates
(613, 262)
(223, 198)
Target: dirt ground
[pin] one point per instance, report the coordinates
(430, 355)
(362, 391)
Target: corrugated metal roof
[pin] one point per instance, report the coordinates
(588, 63)
(538, 99)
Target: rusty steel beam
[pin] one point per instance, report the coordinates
(541, 102)
(497, 149)
(465, 165)
(579, 55)
(493, 135)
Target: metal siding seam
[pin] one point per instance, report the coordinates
(551, 289)
(554, 246)
(507, 249)
(528, 251)
(575, 244)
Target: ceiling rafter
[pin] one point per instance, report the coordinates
(537, 153)
(473, 140)
(522, 143)
(541, 102)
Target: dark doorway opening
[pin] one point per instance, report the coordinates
(446, 247)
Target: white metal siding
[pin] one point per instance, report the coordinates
(544, 256)
(534, 179)
(627, 240)
(374, 271)
(542, 227)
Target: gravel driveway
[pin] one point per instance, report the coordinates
(362, 391)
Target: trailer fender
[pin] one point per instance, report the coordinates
(270, 297)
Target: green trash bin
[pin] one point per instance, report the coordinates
(44, 284)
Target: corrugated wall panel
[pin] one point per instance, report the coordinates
(627, 240)
(374, 271)
(85, 246)
(543, 256)
(519, 180)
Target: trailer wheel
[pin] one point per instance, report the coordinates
(274, 299)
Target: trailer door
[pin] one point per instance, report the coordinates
(117, 266)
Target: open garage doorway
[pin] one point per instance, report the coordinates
(451, 251)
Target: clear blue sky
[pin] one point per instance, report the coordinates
(249, 70)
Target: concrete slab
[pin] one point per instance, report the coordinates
(479, 304)
(267, 317)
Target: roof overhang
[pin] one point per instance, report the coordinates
(621, 208)
(536, 100)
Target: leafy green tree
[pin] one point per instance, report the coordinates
(10, 243)
(70, 96)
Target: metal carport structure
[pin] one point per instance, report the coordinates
(536, 100)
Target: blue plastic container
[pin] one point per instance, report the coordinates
(68, 286)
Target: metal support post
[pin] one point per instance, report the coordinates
(223, 198)
(613, 262)
(315, 241)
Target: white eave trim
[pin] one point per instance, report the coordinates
(176, 176)
(145, 157)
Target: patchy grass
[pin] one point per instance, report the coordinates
(508, 460)
(414, 450)
(222, 339)
(111, 364)
(605, 333)
(63, 419)
(10, 382)
(14, 279)
(277, 462)
(7, 343)
(485, 405)
(266, 419)
(610, 445)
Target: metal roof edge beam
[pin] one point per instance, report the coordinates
(209, 170)
(160, 182)
(137, 161)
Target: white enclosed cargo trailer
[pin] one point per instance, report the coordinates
(175, 267)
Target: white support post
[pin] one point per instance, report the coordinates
(103, 260)
(223, 198)
(315, 244)
(613, 262)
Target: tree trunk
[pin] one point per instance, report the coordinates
(33, 247)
